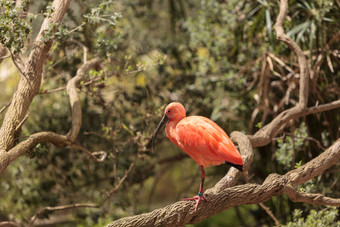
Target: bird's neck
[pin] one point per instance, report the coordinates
(170, 130)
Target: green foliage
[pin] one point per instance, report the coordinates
(326, 217)
(15, 25)
(98, 14)
(286, 146)
(38, 151)
(308, 187)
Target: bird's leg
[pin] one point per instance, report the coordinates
(202, 180)
(200, 195)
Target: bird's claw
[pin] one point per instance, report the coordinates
(196, 198)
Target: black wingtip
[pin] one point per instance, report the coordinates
(239, 167)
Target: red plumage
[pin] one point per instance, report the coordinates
(201, 138)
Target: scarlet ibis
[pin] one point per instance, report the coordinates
(201, 138)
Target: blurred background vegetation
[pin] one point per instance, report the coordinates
(219, 58)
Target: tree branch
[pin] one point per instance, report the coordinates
(303, 65)
(321, 108)
(316, 166)
(113, 190)
(183, 212)
(92, 155)
(29, 86)
(64, 88)
(50, 137)
(71, 89)
(265, 134)
(311, 198)
(4, 107)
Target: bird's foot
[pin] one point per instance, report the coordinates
(197, 198)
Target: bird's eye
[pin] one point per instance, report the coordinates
(169, 111)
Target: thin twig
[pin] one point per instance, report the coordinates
(3, 57)
(76, 28)
(4, 107)
(60, 208)
(22, 122)
(278, 60)
(64, 88)
(318, 143)
(92, 155)
(268, 211)
(19, 67)
(113, 190)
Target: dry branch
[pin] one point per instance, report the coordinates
(92, 155)
(264, 135)
(268, 211)
(28, 86)
(4, 107)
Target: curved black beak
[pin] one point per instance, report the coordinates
(160, 125)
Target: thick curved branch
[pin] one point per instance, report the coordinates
(303, 64)
(71, 89)
(316, 166)
(183, 212)
(21, 148)
(50, 137)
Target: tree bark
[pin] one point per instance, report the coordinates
(183, 212)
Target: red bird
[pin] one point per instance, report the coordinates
(201, 138)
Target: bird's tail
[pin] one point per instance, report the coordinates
(239, 167)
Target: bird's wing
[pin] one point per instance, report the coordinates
(205, 142)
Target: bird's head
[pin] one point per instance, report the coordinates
(175, 111)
